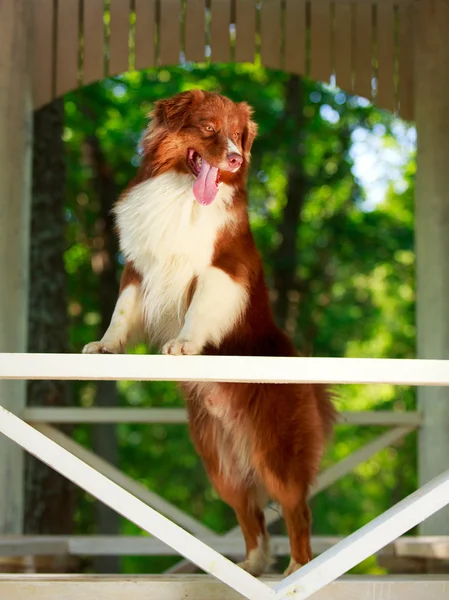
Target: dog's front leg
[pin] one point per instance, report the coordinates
(218, 302)
(126, 321)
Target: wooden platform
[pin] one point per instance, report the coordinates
(203, 587)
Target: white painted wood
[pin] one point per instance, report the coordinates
(380, 417)
(432, 234)
(202, 587)
(347, 465)
(435, 547)
(224, 368)
(366, 541)
(179, 415)
(124, 481)
(104, 415)
(131, 507)
(37, 545)
(15, 193)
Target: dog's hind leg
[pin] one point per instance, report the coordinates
(298, 520)
(292, 496)
(248, 506)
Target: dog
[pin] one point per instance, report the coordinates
(193, 282)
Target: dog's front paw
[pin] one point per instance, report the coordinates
(102, 348)
(181, 347)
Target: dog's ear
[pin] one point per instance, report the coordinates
(249, 135)
(172, 113)
(250, 128)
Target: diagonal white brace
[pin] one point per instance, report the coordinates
(132, 508)
(126, 482)
(366, 541)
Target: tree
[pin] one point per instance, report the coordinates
(49, 502)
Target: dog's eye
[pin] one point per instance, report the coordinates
(210, 128)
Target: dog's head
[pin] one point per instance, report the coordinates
(204, 134)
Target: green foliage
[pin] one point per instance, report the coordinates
(354, 288)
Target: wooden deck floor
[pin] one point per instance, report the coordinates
(203, 587)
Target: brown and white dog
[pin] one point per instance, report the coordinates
(193, 282)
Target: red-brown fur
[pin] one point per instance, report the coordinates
(287, 425)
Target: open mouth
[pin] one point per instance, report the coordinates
(207, 179)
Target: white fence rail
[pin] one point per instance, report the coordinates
(224, 368)
(179, 416)
(312, 577)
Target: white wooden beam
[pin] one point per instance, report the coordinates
(179, 415)
(434, 547)
(202, 587)
(224, 368)
(366, 541)
(432, 234)
(131, 507)
(15, 194)
(33, 545)
(126, 482)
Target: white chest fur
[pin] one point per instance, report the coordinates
(170, 239)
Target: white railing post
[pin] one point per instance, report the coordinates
(15, 194)
(432, 235)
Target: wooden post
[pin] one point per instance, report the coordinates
(15, 170)
(432, 235)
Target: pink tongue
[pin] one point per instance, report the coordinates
(205, 188)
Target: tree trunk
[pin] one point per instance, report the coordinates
(286, 257)
(49, 501)
(105, 265)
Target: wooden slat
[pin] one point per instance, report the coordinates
(295, 36)
(343, 45)
(270, 32)
(320, 41)
(363, 51)
(67, 46)
(145, 32)
(195, 32)
(385, 97)
(220, 39)
(201, 587)
(42, 52)
(406, 62)
(179, 415)
(436, 547)
(237, 369)
(93, 35)
(169, 32)
(245, 42)
(119, 37)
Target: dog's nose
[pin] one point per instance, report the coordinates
(234, 161)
